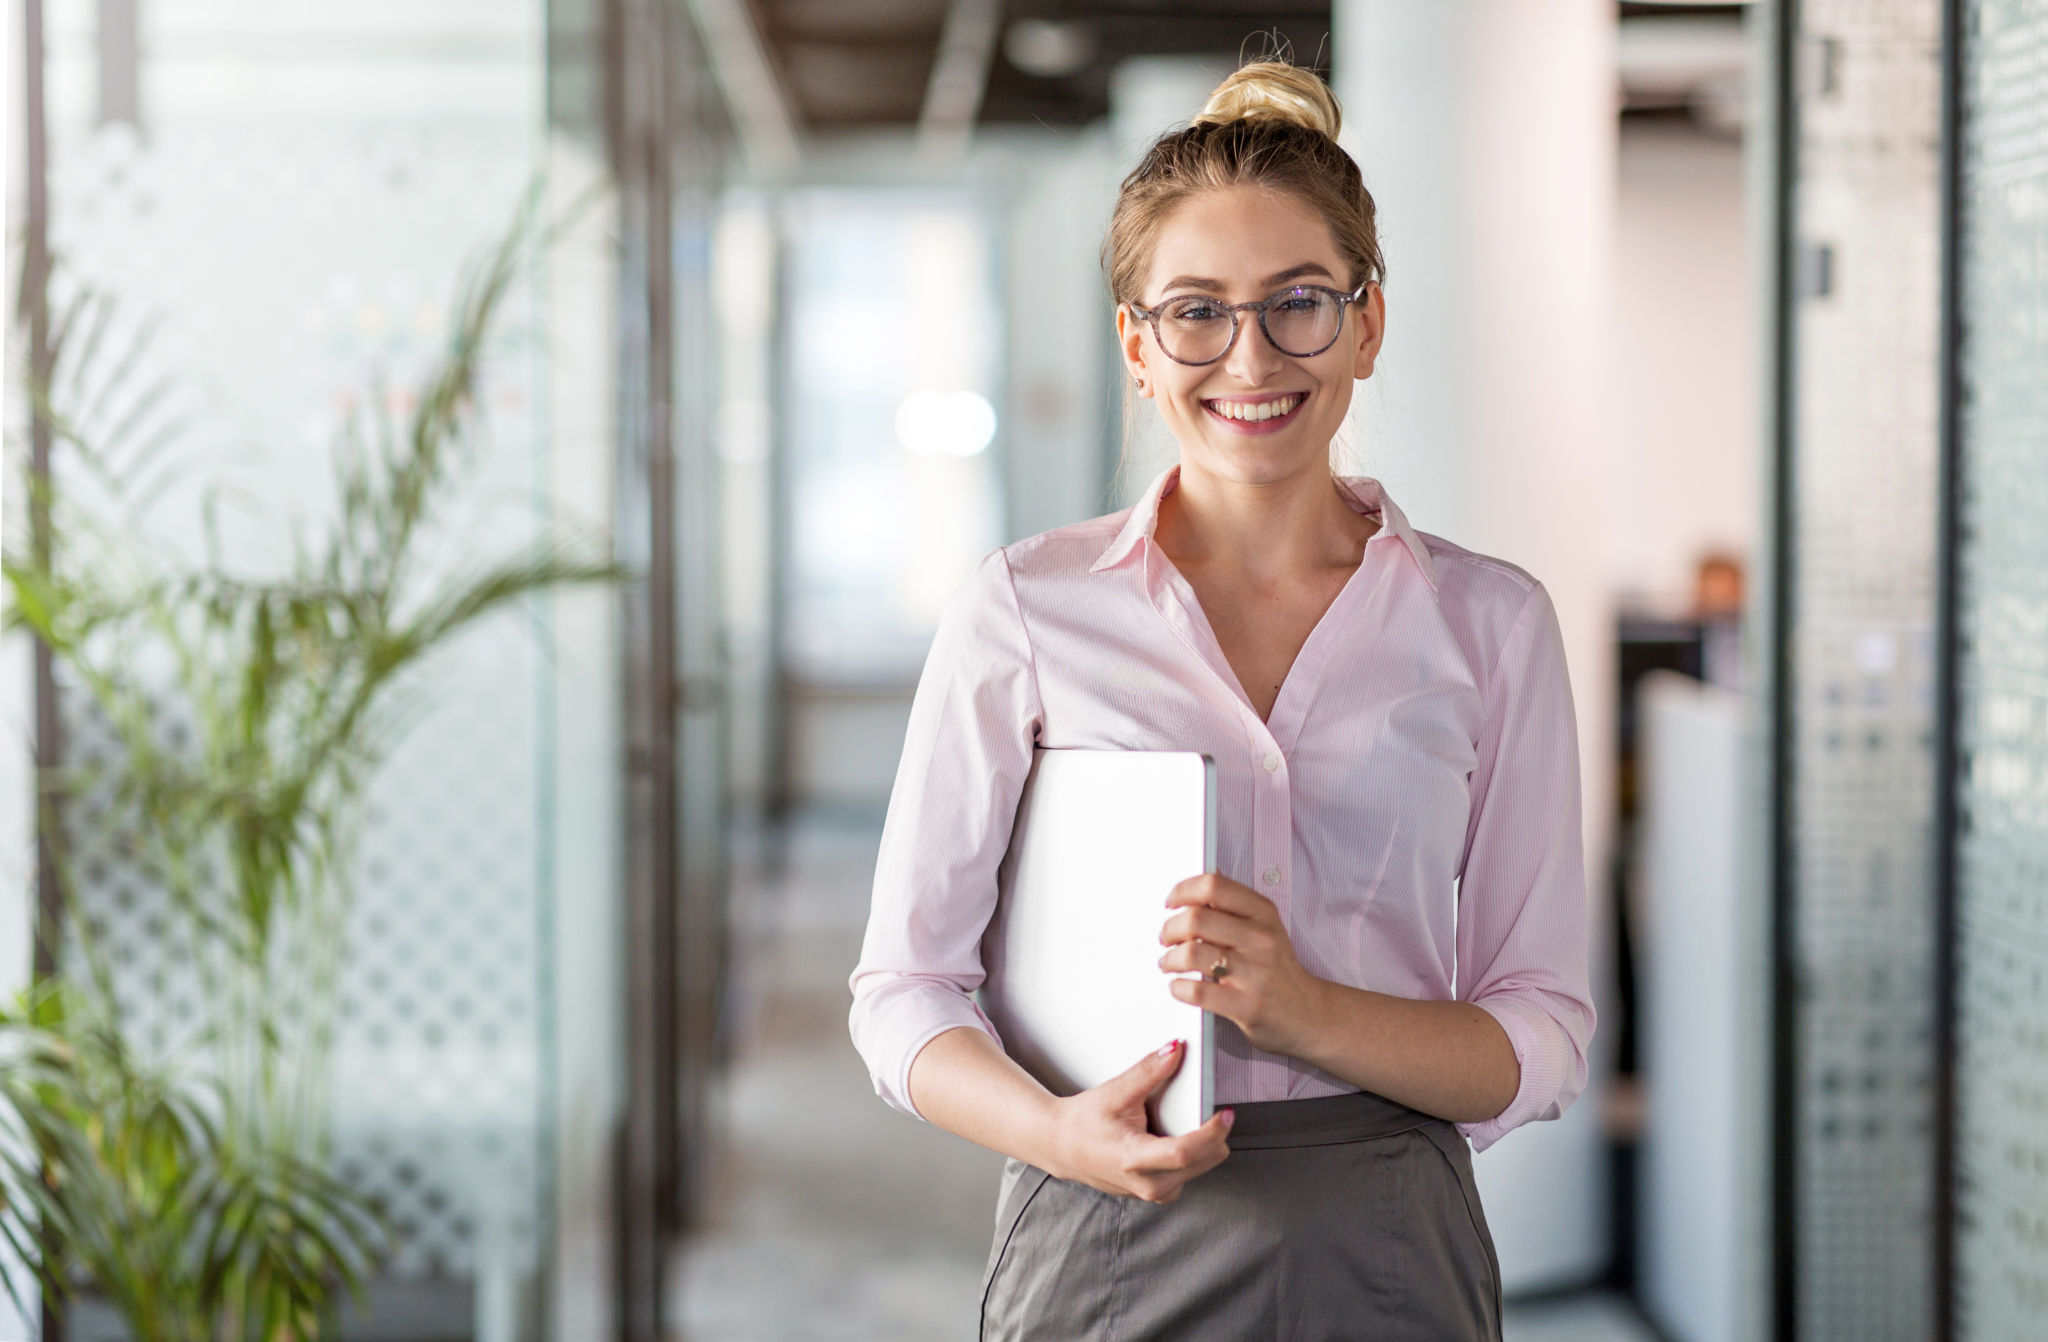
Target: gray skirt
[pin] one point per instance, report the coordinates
(1349, 1217)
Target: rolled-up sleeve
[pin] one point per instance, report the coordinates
(965, 758)
(1522, 893)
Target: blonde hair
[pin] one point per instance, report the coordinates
(1270, 124)
(1277, 89)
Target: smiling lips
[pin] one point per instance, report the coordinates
(1256, 415)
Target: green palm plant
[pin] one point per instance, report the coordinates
(247, 716)
(118, 1174)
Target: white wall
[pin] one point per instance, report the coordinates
(1682, 461)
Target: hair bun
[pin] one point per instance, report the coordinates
(1278, 90)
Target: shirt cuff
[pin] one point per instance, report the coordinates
(892, 1026)
(1552, 1072)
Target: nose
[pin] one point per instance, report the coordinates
(1252, 358)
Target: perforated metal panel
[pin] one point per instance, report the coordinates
(158, 979)
(2002, 887)
(1865, 442)
(439, 1070)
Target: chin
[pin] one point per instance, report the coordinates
(1263, 461)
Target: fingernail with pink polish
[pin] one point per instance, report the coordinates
(1169, 1047)
(1229, 1117)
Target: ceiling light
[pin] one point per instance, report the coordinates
(1049, 49)
(945, 423)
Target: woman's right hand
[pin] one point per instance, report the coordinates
(1100, 1138)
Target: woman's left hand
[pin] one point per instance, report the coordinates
(1263, 988)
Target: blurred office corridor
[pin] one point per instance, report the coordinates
(672, 362)
(830, 1215)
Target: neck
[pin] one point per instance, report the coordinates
(1273, 528)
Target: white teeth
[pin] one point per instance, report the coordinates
(1255, 412)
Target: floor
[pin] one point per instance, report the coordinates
(834, 1218)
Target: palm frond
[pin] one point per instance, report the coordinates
(113, 1174)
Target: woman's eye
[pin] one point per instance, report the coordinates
(1298, 303)
(1195, 312)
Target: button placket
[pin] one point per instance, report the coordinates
(1273, 819)
(1272, 834)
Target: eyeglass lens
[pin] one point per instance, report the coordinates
(1300, 322)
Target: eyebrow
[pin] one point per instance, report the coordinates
(1271, 281)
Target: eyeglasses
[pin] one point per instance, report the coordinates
(1301, 321)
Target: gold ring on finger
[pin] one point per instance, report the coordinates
(1221, 969)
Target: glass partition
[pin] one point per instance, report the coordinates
(2001, 859)
(1863, 444)
(269, 204)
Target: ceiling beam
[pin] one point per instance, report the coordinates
(952, 99)
(739, 62)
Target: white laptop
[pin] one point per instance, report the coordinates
(1072, 953)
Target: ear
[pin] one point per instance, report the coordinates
(1130, 341)
(1371, 314)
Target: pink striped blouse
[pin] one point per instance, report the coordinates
(1411, 805)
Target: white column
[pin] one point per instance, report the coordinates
(1486, 131)
(588, 1006)
(1058, 349)
(1148, 96)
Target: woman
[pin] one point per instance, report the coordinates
(1395, 947)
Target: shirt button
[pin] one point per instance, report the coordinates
(1271, 876)
(1272, 762)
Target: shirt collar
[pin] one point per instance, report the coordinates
(1368, 495)
(1143, 520)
